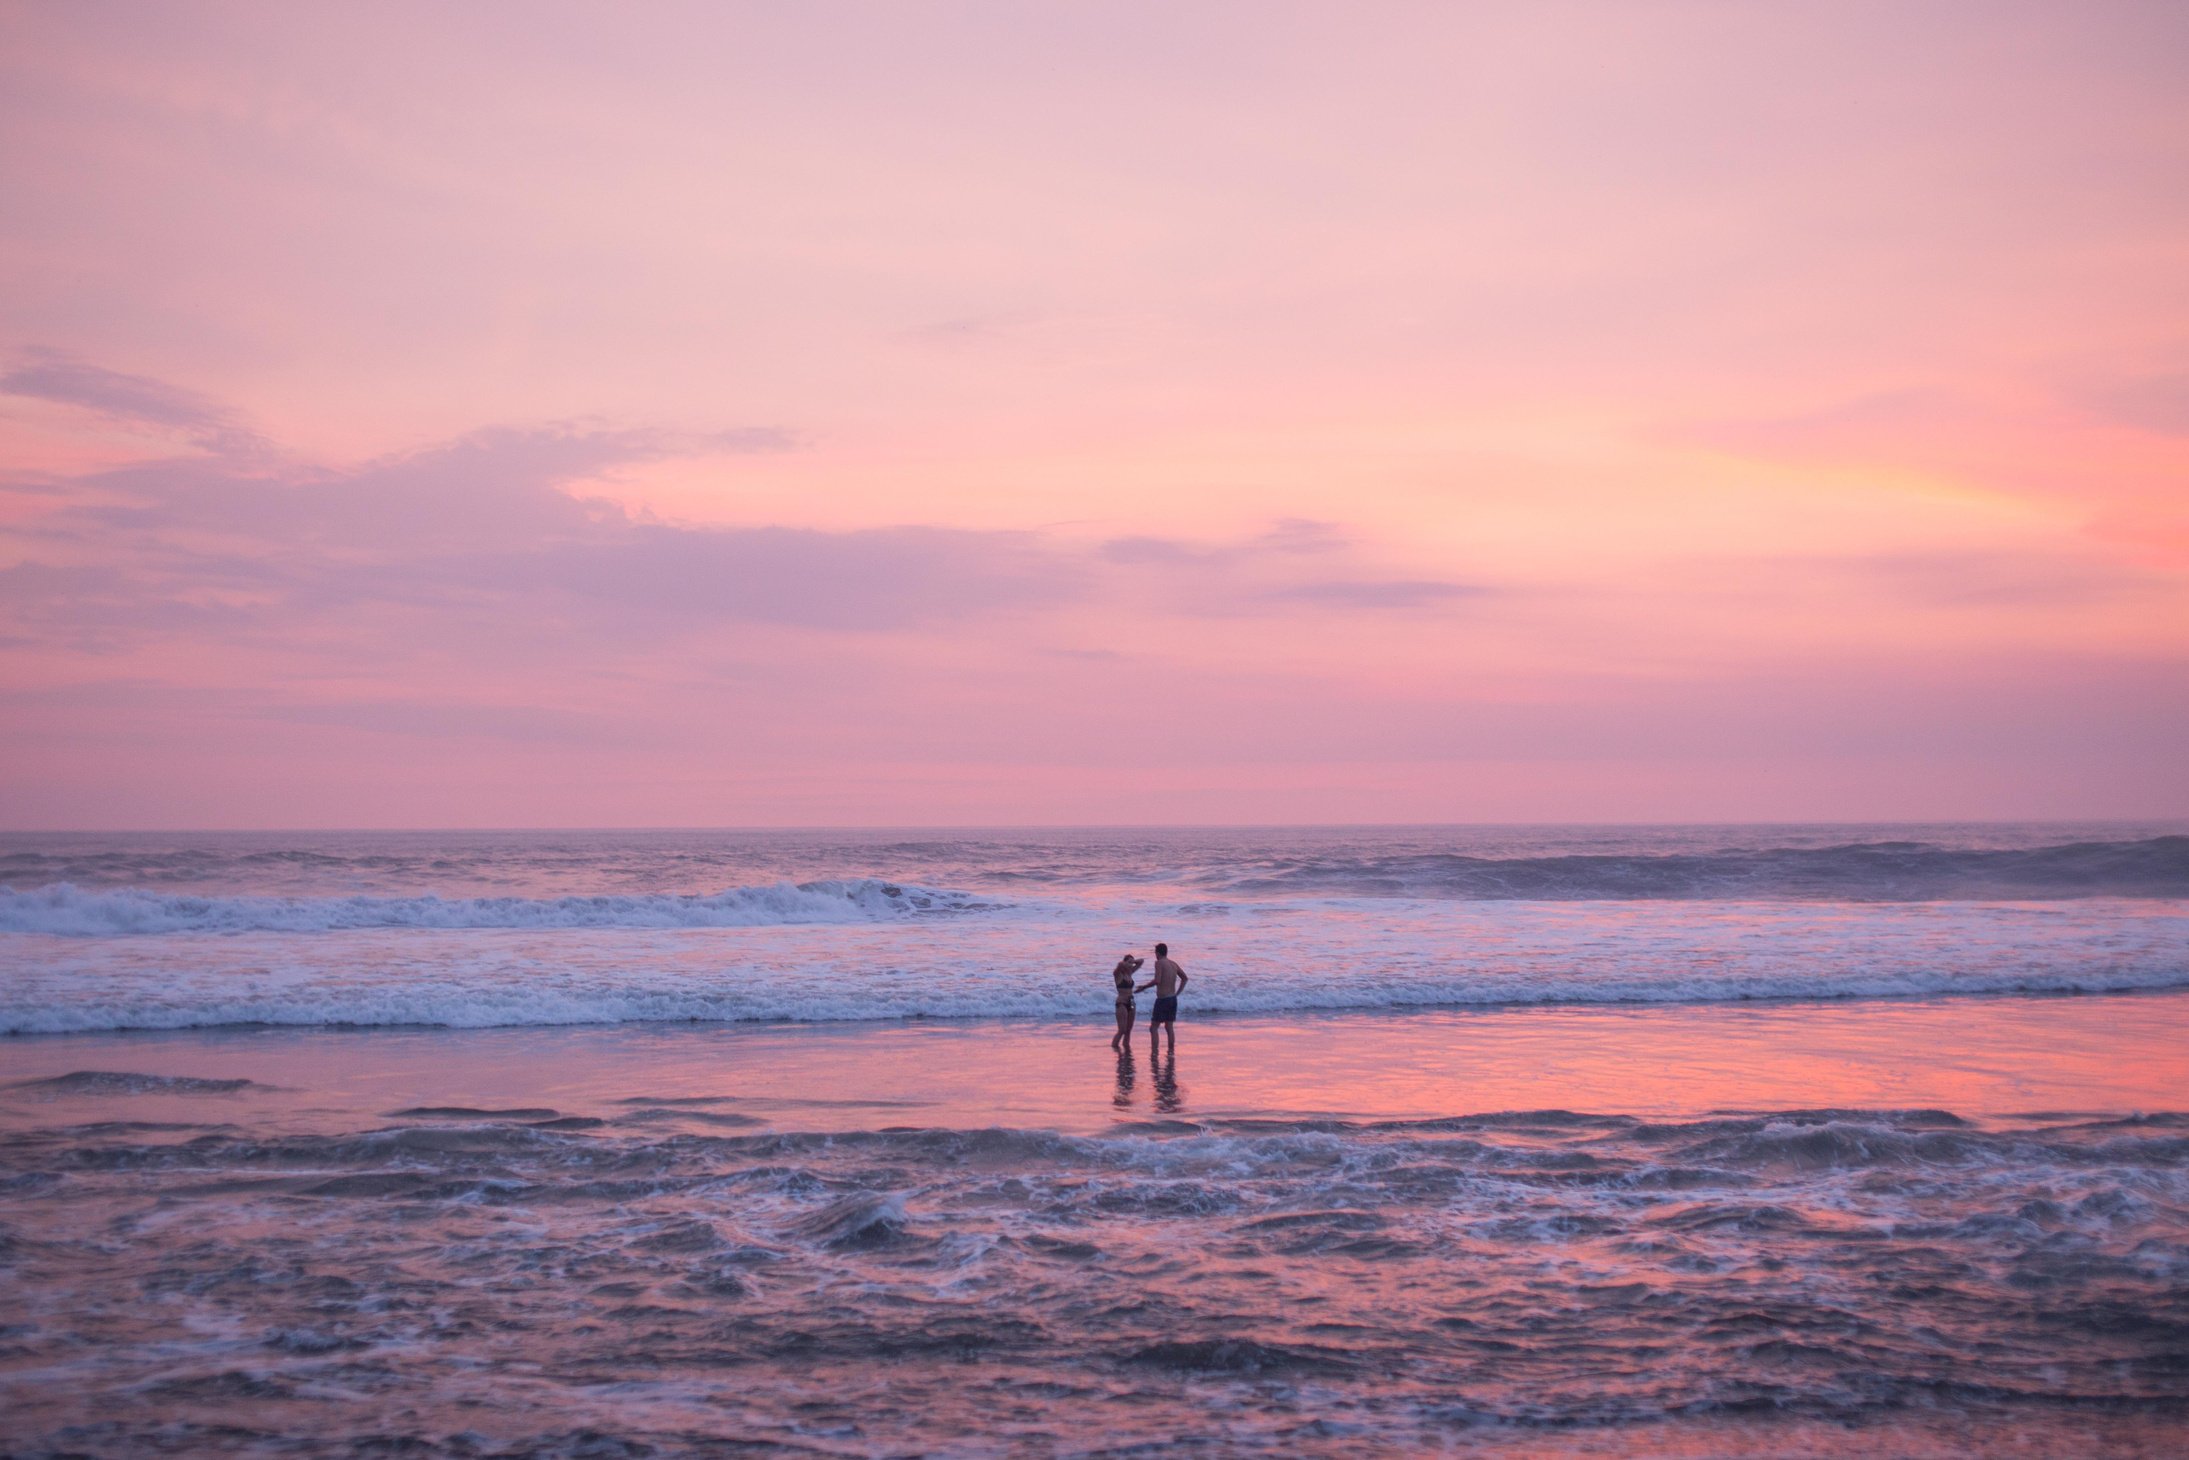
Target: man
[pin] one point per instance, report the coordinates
(1169, 980)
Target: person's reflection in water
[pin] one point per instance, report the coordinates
(1126, 1072)
(1168, 1097)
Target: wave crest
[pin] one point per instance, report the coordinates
(66, 910)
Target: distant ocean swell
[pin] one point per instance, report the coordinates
(1863, 872)
(105, 900)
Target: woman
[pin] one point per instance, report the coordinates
(1122, 976)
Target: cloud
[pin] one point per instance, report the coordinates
(1396, 593)
(2157, 403)
(492, 549)
(1304, 535)
(492, 486)
(1256, 574)
(868, 579)
(135, 400)
(1289, 535)
(748, 440)
(490, 533)
(1162, 551)
(955, 333)
(2003, 586)
(1998, 579)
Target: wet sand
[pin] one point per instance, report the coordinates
(1979, 1057)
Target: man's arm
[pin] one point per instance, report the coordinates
(1181, 976)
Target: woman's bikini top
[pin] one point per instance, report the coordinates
(1124, 985)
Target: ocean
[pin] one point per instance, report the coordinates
(480, 929)
(1530, 1140)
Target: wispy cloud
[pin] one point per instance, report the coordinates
(1304, 535)
(2158, 403)
(1165, 552)
(136, 400)
(1261, 573)
(1968, 579)
(484, 528)
(483, 589)
(1398, 593)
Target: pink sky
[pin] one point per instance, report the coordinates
(544, 414)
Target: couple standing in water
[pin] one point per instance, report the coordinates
(1169, 980)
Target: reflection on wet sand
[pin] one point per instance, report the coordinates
(1170, 1096)
(1981, 1058)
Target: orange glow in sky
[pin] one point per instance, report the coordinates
(560, 414)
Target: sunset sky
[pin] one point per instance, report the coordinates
(712, 414)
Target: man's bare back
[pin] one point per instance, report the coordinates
(1168, 983)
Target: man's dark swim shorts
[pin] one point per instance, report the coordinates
(1166, 1011)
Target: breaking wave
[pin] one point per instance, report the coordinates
(112, 1082)
(602, 928)
(71, 911)
(484, 996)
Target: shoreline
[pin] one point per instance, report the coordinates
(1983, 1057)
(1298, 1013)
(1098, 1011)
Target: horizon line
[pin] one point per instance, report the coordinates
(2160, 819)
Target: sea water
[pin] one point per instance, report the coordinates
(1590, 1141)
(546, 928)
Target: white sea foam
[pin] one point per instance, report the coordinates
(595, 927)
(1048, 963)
(1854, 1266)
(485, 1008)
(70, 911)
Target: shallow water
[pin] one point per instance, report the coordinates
(820, 1241)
